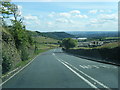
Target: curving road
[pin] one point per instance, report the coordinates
(56, 69)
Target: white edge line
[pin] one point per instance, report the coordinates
(86, 75)
(90, 77)
(19, 70)
(88, 82)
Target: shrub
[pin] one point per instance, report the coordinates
(24, 54)
(6, 64)
(69, 43)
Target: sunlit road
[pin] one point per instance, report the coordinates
(56, 69)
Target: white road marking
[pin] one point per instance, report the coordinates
(96, 66)
(90, 77)
(88, 66)
(95, 81)
(19, 70)
(89, 83)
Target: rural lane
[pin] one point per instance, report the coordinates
(56, 69)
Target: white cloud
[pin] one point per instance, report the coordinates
(81, 16)
(63, 20)
(112, 17)
(19, 10)
(50, 24)
(30, 21)
(104, 18)
(30, 17)
(52, 14)
(20, 7)
(75, 12)
(93, 11)
(101, 11)
(65, 14)
(104, 22)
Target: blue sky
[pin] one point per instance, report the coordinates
(69, 16)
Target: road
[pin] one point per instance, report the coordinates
(56, 69)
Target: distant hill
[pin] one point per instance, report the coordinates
(55, 35)
(94, 34)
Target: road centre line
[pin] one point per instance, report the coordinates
(83, 73)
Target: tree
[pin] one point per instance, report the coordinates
(69, 43)
(5, 11)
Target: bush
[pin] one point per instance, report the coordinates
(24, 54)
(69, 43)
(6, 64)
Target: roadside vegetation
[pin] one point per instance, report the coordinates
(107, 52)
(19, 45)
(68, 43)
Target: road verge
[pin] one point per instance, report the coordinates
(93, 55)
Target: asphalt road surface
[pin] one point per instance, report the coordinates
(56, 69)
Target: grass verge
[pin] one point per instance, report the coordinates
(22, 64)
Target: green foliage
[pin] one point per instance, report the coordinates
(57, 35)
(69, 43)
(24, 54)
(6, 63)
(7, 10)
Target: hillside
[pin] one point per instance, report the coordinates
(54, 35)
(94, 34)
(14, 57)
(57, 35)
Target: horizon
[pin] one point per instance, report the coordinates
(71, 31)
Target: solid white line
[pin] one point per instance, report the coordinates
(85, 74)
(89, 76)
(89, 83)
(19, 70)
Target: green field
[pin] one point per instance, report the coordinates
(42, 39)
(109, 45)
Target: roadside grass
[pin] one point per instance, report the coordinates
(105, 53)
(41, 48)
(21, 64)
(112, 38)
(82, 48)
(108, 46)
(105, 46)
(42, 39)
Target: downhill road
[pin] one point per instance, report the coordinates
(56, 69)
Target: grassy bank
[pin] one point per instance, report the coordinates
(106, 53)
(21, 64)
(15, 58)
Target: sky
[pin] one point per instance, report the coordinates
(69, 16)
